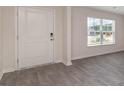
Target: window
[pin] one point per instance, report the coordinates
(100, 31)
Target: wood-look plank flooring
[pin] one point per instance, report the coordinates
(104, 70)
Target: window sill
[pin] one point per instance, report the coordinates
(101, 45)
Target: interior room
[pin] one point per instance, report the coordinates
(61, 45)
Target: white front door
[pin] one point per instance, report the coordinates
(35, 42)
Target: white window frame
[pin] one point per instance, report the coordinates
(101, 35)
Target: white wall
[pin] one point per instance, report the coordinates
(9, 37)
(0, 45)
(79, 33)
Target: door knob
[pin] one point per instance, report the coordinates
(52, 39)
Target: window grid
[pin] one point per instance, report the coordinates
(101, 31)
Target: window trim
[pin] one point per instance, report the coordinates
(101, 37)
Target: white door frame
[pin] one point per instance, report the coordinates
(17, 36)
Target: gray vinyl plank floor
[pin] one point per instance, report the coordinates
(104, 70)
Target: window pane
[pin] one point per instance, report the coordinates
(107, 25)
(90, 24)
(97, 24)
(100, 31)
(94, 24)
(108, 37)
(93, 38)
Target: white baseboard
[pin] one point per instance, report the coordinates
(58, 61)
(81, 57)
(11, 69)
(1, 76)
(78, 57)
(67, 63)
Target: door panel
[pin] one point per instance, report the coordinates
(35, 46)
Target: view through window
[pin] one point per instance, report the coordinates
(100, 31)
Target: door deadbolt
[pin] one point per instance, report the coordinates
(51, 34)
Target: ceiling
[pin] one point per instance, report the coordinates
(114, 9)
